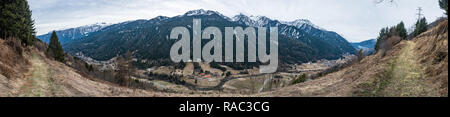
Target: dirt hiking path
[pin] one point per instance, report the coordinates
(408, 78)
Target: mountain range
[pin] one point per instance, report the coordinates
(68, 35)
(300, 41)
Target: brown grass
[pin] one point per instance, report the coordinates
(6, 71)
(12, 60)
(433, 47)
(389, 43)
(379, 75)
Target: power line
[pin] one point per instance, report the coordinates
(419, 14)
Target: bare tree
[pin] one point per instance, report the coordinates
(360, 54)
(125, 69)
(252, 85)
(389, 43)
(129, 63)
(121, 73)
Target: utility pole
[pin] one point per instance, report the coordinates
(419, 14)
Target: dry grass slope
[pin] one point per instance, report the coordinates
(411, 68)
(43, 77)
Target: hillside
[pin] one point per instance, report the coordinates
(31, 74)
(412, 68)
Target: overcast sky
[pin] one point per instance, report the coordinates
(355, 20)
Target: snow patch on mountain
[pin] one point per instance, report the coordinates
(260, 21)
(204, 12)
(85, 30)
(301, 23)
(67, 35)
(255, 21)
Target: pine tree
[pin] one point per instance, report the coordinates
(401, 30)
(55, 49)
(383, 35)
(444, 5)
(16, 21)
(421, 26)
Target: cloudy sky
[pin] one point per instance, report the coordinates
(356, 20)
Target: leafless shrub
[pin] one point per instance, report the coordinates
(41, 46)
(12, 53)
(388, 44)
(15, 44)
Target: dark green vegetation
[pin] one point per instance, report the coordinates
(55, 49)
(385, 40)
(421, 26)
(15, 21)
(401, 30)
(300, 79)
(148, 40)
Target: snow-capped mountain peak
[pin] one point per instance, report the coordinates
(160, 18)
(259, 21)
(205, 12)
(241, 18)
(90, 28)
(70, 34)
(255, 21)
(196, 12)
(200, 12)
(300, 23)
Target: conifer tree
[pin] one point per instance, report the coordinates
(16, 21)
(383, 35)
(401, 30)
(421, 26)
(55, 49)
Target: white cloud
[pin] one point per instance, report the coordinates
(356, 20)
